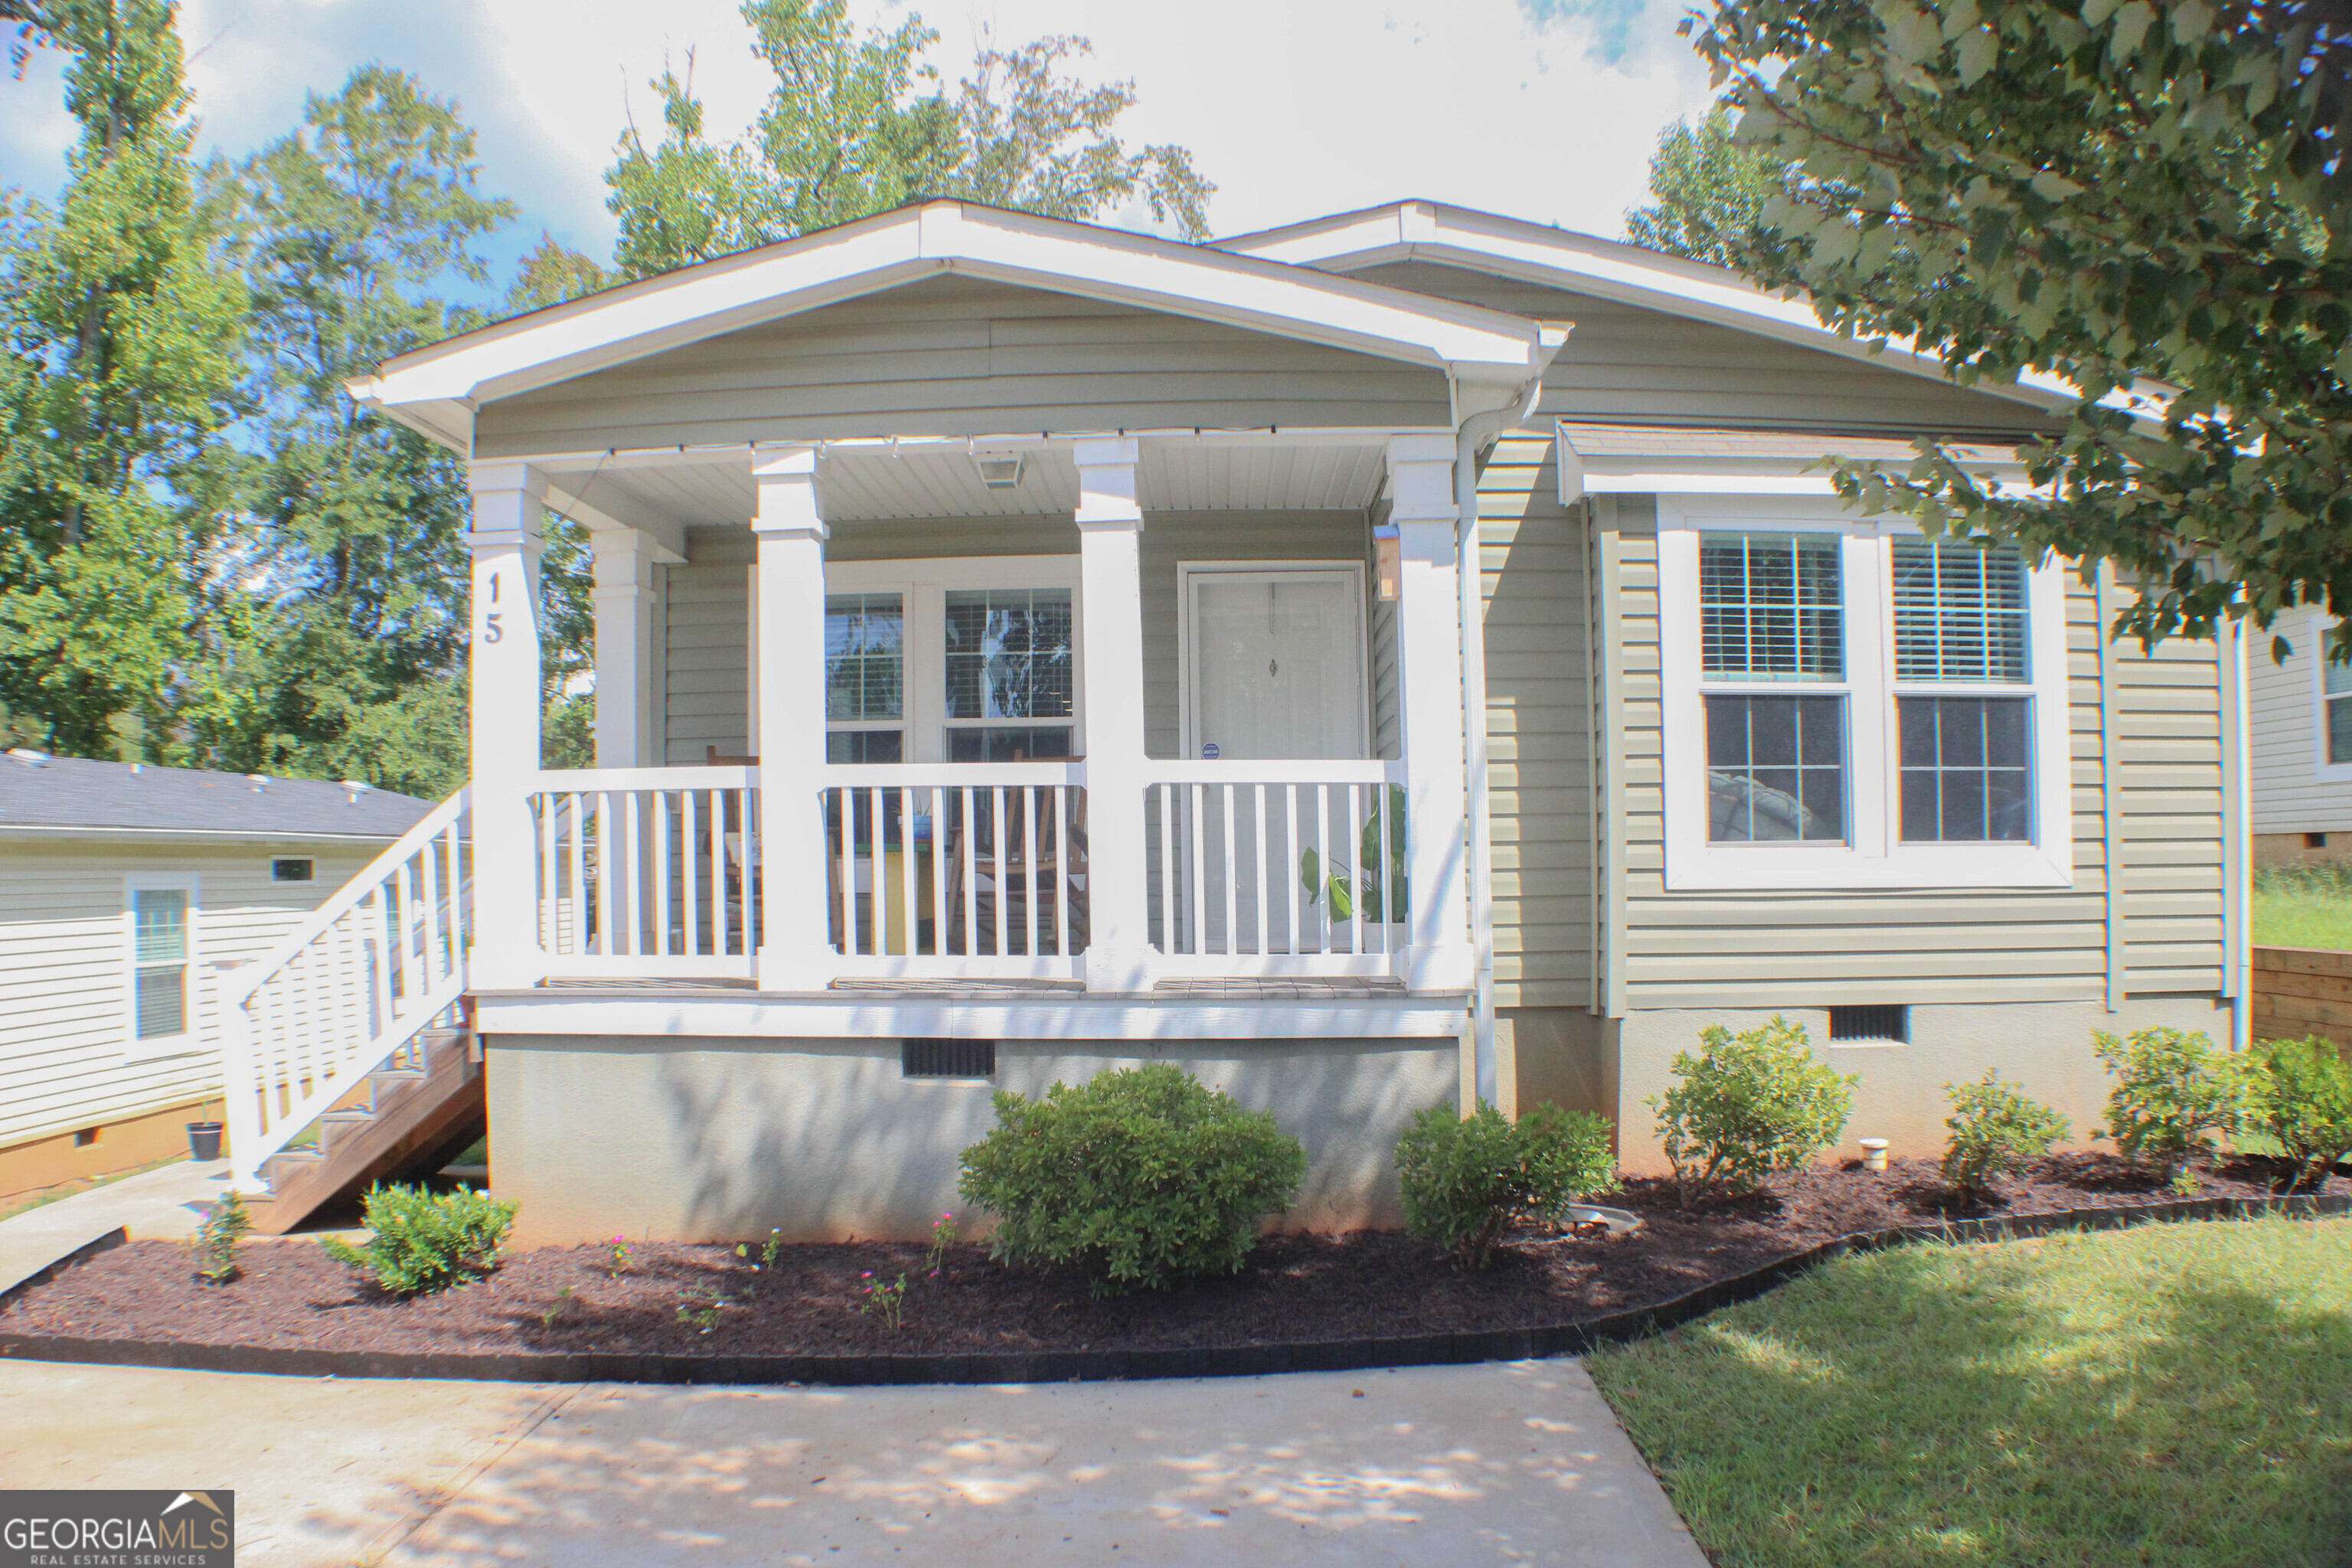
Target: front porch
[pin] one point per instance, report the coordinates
(1011, 768)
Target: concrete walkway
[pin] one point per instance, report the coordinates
(1518, 1463)
(169, 1202)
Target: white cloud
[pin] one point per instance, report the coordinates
(1293, 107)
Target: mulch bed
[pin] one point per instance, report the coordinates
(1360, 1285)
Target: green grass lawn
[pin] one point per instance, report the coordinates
(2171, 1395)
(2303, 906)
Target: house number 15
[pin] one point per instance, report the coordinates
(491, 630)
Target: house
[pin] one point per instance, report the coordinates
(2299, 711)
(128, 894)
(1025, 649)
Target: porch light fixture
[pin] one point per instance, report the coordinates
(999, 473)
(1388, 557)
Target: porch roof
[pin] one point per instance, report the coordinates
(437, 390)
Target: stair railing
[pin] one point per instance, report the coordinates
(348, 991)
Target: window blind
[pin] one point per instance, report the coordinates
(1770, 608)
(1959, 612)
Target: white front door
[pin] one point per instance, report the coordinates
(1276, 663)
(1274, 671)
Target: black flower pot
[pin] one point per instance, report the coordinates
(204, 1141)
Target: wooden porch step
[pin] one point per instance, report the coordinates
(410, 1124)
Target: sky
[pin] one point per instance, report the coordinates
(1545, 109)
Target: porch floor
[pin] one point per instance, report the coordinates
(1290, 988)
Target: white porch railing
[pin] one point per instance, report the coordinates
(348, 991)
(1276, 868)
(972, 869)
(645, 872)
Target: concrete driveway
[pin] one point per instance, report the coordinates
(1518, 1463)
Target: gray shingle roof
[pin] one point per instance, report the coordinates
(75, 792)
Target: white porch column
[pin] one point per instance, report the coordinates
(1110, 586)
(506, 537)
(788, 591)
(624, 642)
(1438, 955)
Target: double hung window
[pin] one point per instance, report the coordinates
(2331, 702)
(1848, 704)
(1010, 695)
(160, 921)
(865, 677)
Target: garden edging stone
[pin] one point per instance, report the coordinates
(1520, 1343)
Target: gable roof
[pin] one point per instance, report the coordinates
(436, 390)
(62, 796)
(1610, 270)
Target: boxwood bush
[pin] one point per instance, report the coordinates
(2174, 1092)
(1141, 1177)
(1748, 1104)
(423, 1241)
(1466, 1179)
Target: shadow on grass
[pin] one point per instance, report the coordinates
(2176, 1394)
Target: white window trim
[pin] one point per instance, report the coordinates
(1873, 857)
(922, 585)
(1188, 571)
(189, 1039)
(2322, 771)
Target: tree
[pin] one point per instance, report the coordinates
(2143, 201)
(1710, 193)
(120, 561)
(859, 124)
(344, 229)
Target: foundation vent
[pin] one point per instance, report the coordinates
(1871, 1023)
(947, 1058)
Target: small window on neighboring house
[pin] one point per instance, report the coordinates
(159, 921)
(289, 870)
(2335, 692)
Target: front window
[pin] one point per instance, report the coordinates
(1846, 704)
(865, 677)
(158, 939)
(1771, 610)
(2336, 692)
(1008, 655)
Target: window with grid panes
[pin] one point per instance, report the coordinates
(2335, 695)
(159, 937)
(1010, 695)
(1966, 761)
(865, 677)
(1771, 610)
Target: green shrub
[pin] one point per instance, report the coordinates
(1141, 1177)
(423, 1242)
(225, 1224)
(1749, 1103)
(2300, 1093)
(1995, 1130)
(1466, 1179)
(2173, 1091)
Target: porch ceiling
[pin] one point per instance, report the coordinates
(864, 482)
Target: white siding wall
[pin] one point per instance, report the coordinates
(65, 975)
(2288, 748)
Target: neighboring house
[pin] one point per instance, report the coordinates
(2299, 713)
(125, 893)
(1025, 649)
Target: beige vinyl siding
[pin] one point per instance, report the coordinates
(707, 647)
(1824, 948)
(956, 356)
(65, 972)
(1626, 363)
(2287, 745)
(1539, 727)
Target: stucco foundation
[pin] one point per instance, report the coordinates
(2043, 1048)
(824, 1140)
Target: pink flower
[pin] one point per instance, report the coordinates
(867, 1275)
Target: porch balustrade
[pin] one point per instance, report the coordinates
(972, 869)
